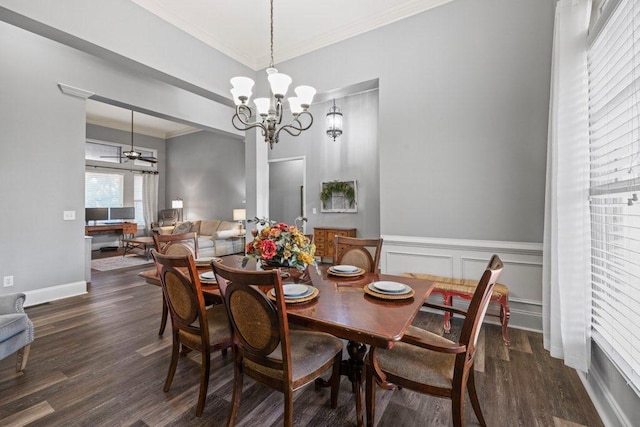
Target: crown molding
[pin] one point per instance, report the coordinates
(204, 36)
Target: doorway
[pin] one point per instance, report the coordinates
(287, 178)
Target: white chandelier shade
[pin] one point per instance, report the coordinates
(269, 111)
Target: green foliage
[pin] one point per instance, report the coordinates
(344, 187)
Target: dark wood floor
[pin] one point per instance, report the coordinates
(97, 361)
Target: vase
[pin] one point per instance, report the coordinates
(286, 272)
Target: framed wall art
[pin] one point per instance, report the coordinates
(339, 196)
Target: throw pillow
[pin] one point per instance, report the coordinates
(183, 227)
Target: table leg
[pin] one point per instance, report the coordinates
(352, 369)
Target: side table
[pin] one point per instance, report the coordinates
(144, 243)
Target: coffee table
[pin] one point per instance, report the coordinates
(144, 243)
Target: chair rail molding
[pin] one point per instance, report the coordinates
(463, 258)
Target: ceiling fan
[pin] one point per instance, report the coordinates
(133, 154)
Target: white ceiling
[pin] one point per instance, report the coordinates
(240, 29)
(99, 113)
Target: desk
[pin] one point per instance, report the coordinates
(123, 228)
(345, 311)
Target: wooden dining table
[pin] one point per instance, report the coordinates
(345, 310)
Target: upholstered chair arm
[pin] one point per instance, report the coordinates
(423, 341)
(12, 303)
(445, 308)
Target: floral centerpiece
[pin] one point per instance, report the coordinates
(282, 245)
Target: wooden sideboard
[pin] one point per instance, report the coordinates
(323, 239)
(127, 229)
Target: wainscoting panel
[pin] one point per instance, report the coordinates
(467, 259)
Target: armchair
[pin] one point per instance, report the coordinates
(16, 330)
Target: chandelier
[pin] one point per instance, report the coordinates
(334, 122)
(271, 109)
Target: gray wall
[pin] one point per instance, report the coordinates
(353, 156)
(207, 171)
(42, 145)
(464, 96)
(41, 167)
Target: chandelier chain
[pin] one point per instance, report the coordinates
(268, 115)
(271, 33)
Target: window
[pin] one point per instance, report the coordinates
(614, 122)
(103, 190)
(111, 152)
(102, 152)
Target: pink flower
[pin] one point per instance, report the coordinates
(268, 249)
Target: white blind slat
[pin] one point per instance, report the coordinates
(614, 149)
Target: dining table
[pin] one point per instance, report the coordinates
(346, 309)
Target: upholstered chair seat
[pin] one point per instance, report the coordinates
(408, 361)
(309, 351)
(16, 330)
(218, 327)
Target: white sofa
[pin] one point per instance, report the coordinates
(215, 237)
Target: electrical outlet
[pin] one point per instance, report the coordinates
(315, 211)
(69, 215)
(7, 281)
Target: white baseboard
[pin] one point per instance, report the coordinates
(605, 403)
(44, 295)
(462, 258)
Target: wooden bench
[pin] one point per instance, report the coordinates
(449, 287)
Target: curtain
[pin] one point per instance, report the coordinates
(566, 286)
(149, 200)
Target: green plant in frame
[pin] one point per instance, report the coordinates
(344, 187)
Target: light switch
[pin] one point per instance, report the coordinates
(315, 211)
(69, 215)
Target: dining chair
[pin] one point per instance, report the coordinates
(363, 253)
(265, 348)
(428, 363)
(176, 245)
(193, 326)
(164, 242)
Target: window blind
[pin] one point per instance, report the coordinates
(103, 189)
(614, 146)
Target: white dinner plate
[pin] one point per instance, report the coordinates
(207, 275)
(294, 290)
(300, 291)
(389, 287)
(344, 268)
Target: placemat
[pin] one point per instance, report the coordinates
(360, 272)
(387, 296)
(308, 298)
